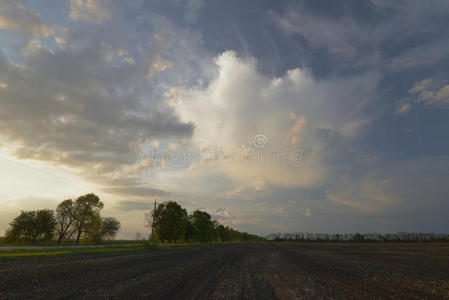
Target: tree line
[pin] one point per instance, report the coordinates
(76, 220)
(359, 237)
(171, 223)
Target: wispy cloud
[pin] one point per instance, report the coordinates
(92, 11)
(429, 94)
(16, 16)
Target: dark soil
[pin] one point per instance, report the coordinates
(237, 271)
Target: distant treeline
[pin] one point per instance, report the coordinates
(359, 237)
(73, 220)
(173, 224)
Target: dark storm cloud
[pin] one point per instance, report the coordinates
(354, 35)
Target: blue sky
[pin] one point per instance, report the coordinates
(327, 116)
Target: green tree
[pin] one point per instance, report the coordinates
(189, 230)
(358, 237)
(170, 222)
(109, 228)
(99, 229)
(203, 226)
(92, 228)
(235, 235)
(45, 223)
(32, 226)
(222, 233)
(65, 217)
(86, 207)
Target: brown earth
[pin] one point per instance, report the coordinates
(238, 271)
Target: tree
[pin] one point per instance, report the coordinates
(32, 226)
(65, 217)
(358, 237)
(98, 228)
(92, 228)
(84, 210)
(222, 233)
(45, 223)
(109, 228)
(203, 226)
(235, 235)
(170, 222)
(189, 230)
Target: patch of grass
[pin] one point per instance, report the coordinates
(12, 253)
(68, 250)
(3, 242)
(18, 253)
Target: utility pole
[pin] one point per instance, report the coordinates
(152, 224)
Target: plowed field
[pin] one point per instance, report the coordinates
(236, 271)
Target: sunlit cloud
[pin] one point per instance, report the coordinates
(92, 11)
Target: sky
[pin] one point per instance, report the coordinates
(273, 116)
